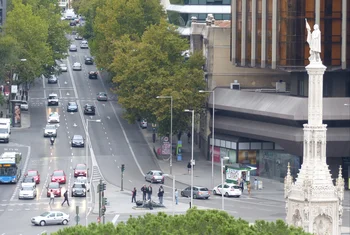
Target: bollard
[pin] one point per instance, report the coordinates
(190, 205)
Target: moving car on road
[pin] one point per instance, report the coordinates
(50, 130)
(35, 174)
(78, 37)
(198, 192)
(228, 190)
(89, 60)
(72, 107)
(78, 141)
(79, 189)
(77, 66)
(80, 170)
(154, 176)
(63, 68)
(52, 99)
(56, 189)
(28, 180)
(84, 45)
(54, 118)
(102, 96)
(73, 48)
(27, 191)
(52, 79)
(89, 109)
(59, 176)
(50, 217)
(83, 179)
(93, 75)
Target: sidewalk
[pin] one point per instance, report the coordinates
(272, 189)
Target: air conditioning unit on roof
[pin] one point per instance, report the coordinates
(235, 85)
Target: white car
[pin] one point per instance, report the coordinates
(52, 99)
(50, 217)
(24, 105)
(83, 179)
(27, 190)
(84, 46)
(63, 67)
(54, 118)
(143, 123)
(77, 66)
(50, 130)
(229, 190)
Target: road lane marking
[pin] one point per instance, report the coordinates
(115, 218)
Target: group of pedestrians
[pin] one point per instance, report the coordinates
(147, 192)
(52, 198)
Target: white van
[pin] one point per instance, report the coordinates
(5, 123)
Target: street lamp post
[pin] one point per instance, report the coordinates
(222, 183)
(213, 137)
(191, 111)
(171, 130)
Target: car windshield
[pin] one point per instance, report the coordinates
(58, 173)
(45, 214)
(28, 179)
(32, 173)
(53, 185)
(79, 186)
(235, 187)
(78, 138)
(53, 114)
(157, 173)
(203, 189)
(72, 104)
(27, 188)
(80, 167)
(50, 127)
(3, 131)
(52, 97)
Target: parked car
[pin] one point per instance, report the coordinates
(89, 60)
(27, 191)
(154, 176)
(80, 170)
(35, 174)
(54, 118)
(102, 96)
(51, 217)
(59, 176)
(89, 109)
(77, 66)
(63, 67)
(50, 130)
(24, 105)
(198, 192)
(56, 189)
(228, 190)
(143, 124)
(79, 189)
(93, 75)
(73, 48)
(72, 107)
(78, 141)
(52, 79)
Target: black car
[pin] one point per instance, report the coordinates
(52, 79)
(93, 75)
(72, 107)
(78, 141)
(72, 23)
(89, 109)
(89, 60)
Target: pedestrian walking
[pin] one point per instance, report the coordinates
(242, 185)
(176, 196)
(161, 194)
(149, 192)
(256, 184)
(65, 198)
(133, 197)
(144, 191)
(189, 137)
(248, 188)
(1, 114)
(52, 198)
(189, 166)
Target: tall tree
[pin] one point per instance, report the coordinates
(118, 17)
(155, 67)
(31, 33)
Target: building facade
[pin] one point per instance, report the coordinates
(260, 121)
(3, 4)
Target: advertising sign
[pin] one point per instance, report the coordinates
(166, 146)
(16, 115)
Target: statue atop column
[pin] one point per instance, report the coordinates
(314, 41)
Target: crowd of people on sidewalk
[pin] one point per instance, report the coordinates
(147, 192)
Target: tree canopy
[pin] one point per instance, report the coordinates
(155, 67)
(201, 222)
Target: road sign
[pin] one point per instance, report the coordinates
(166, 146)
(77, 218)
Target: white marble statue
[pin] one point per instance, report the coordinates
(314, 41)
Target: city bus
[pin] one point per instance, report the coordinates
(12, 155)
(10, 171)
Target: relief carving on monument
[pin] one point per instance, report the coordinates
(297, 220)
(322, 225)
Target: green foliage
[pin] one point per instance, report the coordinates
(194, 222)
(119, 17)
(9, 50)
(154, 67)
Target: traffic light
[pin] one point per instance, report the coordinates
(104, 186)
(103, 210)
(101, 187)
(123, 167)
(104, 201)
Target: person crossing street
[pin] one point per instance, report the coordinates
(65, 198)
(52, 198)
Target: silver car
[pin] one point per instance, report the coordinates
(51, 217)
(77, 141)
(50, 130)
(198, 192)
(63, 68)
(155, 176)
(73, 48)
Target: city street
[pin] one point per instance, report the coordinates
(114, 141)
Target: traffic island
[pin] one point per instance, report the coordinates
(147, 205)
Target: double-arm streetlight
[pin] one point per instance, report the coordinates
(171, 130)
(212, 136)
(191, 111)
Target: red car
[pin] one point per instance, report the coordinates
(58, 176)
(35, 174)
(56, 189)
(80, 170)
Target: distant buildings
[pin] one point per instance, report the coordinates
(3, 4)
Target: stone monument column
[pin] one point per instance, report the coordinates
(313, 202)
